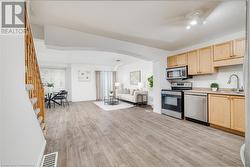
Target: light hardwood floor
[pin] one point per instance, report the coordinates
(86, 136)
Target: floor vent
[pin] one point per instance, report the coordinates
(50, 160)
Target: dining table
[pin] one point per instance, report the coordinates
(50, 98)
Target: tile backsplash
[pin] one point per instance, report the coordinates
(221, 77)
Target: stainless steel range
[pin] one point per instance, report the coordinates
(173, 99)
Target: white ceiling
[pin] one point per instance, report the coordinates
(55, 57)
(142, 22)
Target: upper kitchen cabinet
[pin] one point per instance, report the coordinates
(223, 51)
(229, 53)
(193, 62)
(171, 61)
(201, 61)
(239, 47)
(177, 61)
(206, 60)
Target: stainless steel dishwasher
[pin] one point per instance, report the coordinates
(195, 106)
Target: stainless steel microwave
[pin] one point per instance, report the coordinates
(177, 73)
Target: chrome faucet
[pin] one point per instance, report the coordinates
(238, 81)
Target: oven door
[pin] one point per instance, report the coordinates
(176, 73)
(172, 103)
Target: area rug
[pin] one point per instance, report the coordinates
(106, 107)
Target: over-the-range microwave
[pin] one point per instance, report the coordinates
(177, 73)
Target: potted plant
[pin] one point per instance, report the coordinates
(214, 86)
(150, 82)
(111, 93)
(50, 86)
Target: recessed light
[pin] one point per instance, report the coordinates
(188, 27)
(193, 22)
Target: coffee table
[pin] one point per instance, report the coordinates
(111, 100)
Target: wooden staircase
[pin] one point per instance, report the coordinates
(33, 80)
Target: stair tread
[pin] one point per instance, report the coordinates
(40, 119)
(45, 131)
(43, 126)
(37, 110)
(33, 100)
(29, 87)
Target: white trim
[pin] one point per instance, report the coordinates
(38, 164)
(247, 82)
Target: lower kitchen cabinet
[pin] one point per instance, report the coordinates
(238, 113)
(219, 110)
(227, 111)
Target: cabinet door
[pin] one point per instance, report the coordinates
(223, 51)
(219, 110)
(206, 60)
(239, 48)
(171, 61)
(193, 63)
(181, 59)
(238, 113)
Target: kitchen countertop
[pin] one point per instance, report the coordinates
(221, 91)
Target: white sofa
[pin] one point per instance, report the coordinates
(131, 95)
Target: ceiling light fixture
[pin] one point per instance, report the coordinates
(193, 22)
(204, 22)
(188, 27)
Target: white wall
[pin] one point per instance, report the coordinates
(146, 68)
(22, 141)
(160, 82)
(84, 91)
(68, 82)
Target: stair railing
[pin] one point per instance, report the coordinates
(32, 72)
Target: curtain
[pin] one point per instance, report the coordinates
(98, 85)
(105, 82)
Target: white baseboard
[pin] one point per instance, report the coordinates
(38, 164)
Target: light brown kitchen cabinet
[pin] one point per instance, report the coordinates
(229, 53)
(171, 61)
(193, 62)
(238, 113)
(223, 51)
(239, 48)
(219, 110)
(206, 60)
(177, 61)
(201, 61)
(227, 111)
